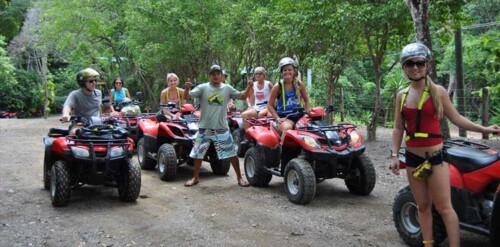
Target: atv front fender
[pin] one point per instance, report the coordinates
(148, 127)
(264, 135)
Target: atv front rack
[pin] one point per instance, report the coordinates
(322, 131)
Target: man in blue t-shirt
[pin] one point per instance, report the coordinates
(214, 97)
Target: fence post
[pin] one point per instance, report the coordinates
(342, 104)
(486, 109)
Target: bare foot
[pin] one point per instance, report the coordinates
(242, 182)
(191, 182)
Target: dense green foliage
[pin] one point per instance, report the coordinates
(348, 45)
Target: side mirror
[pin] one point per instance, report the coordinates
(138, 96)
(330, 109)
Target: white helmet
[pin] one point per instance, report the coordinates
(414, 50)
(286, 61)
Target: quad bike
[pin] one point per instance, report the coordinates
(6, 114)
(310, 153)
(166, 143)
(98, 154)
(130, 114)
(475, 195)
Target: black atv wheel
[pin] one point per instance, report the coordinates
(219, 167)
(129, 186)
(495, 222)
(46, 168)
(300, 181)
(254, 168)
(238, 136)
(167, 162)
(60, 187)
(146, 162)
(405, 217)
(361, 179)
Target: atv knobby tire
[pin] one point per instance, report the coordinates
(238, 136)
(300, 181)
(60, 186)
(167, 162)
(254, 168)
(130, 182)
(219, 167)
(361, 179)
(46, 167)
(405, 217)
(146, 162)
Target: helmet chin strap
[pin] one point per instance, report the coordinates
(416, 79)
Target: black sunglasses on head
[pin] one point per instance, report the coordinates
(419, 64)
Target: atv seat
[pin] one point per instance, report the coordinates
(275, 126)
(468, 159)
(58, 132)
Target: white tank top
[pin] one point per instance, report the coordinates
(261, 96)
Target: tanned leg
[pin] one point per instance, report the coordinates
(196, 175)
(236, 166)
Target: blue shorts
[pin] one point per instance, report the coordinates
(222, 139)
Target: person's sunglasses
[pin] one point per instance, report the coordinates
(258, 73)
(411, 64)
(92, 81)
(118, 82)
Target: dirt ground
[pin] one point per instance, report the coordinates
(216, 212)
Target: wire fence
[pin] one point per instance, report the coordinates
(358, 105)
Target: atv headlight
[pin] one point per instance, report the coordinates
(116, 152)
(80, 152)
(311, 142)
(193, 126)
(355, 137)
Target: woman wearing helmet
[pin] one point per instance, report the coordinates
(418, 111)
(286, 95)
(87, 100)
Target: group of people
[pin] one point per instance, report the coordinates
(418, 111)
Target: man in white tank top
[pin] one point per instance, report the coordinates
(257, 102)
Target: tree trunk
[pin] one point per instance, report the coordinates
(153, 104)
(46, 86)
(419, 13)
(452, 85)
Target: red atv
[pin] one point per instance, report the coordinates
(475, 195)
(166, 143)
(312, 152)
(99, 154)
(6, 114)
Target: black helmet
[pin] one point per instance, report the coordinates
(286, 61)
(83, 75)
(415, 50)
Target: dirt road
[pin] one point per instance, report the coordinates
(216, 212)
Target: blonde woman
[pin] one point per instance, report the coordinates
(172, 94)
(257, 102)
(287, 95)
(418, 111)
